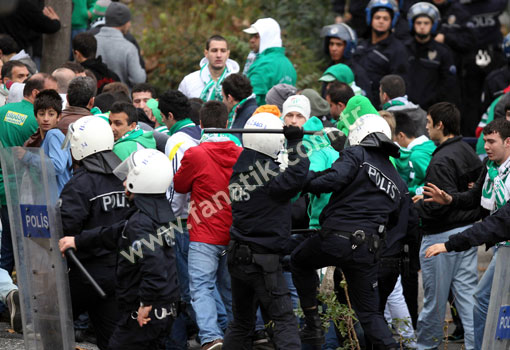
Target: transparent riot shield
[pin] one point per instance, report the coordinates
(497, 327)
(32, 199)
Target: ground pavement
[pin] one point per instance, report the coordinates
(12, 341)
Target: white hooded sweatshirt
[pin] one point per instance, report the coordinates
(194, 83)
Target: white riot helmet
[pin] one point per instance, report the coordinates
(88, 135)
(366, 125)
(268, 144)
(146, 171)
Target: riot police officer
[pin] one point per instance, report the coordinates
(381, 53)
(260, 233)
(367, 197)
(497, 80)
(93, 197)
(147, 288)
(434, 77)
(339, 46)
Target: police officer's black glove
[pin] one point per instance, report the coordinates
(293, 133)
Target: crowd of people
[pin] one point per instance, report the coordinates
(199, 225)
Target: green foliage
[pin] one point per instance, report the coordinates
(172, 34)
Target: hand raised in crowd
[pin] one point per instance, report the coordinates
(436, 194)
(435, 249)
(417, 197)
(293, 132)
(49, 12)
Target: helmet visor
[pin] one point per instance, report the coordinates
(69, 135)
(124, 168)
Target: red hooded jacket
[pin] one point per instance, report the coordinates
(205, 171)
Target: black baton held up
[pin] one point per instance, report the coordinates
(254, 131)
(70, 255)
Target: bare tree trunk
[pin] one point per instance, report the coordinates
(57, 47)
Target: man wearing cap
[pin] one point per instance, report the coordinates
(319, 106)
(119, 54)
(214, 68)
(297, 112)
(342, 73)
(271, 67)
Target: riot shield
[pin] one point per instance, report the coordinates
(497, 327)
(32, 199)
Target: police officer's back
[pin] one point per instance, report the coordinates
(146, 276)
(367, 197)
(93, 197)
(260, 232)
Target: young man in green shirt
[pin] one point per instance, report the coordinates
(127, 134)
(415, 153)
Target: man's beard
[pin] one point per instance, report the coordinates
(422, 36)
(379, 33)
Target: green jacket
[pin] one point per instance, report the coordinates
(80, 16)
(270, 68)
(133, 141)
(321, 156)
(487, 117)
(413, 163)
(17, 124)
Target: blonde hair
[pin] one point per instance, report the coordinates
(390, 119)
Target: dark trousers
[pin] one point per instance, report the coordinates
(128, 335)
(103, 313)
(248, 291)
(360, 269)
(6, 251)
(389, 270)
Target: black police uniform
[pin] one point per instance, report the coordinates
(434, 75)
(367, 197)
(145, 271)
(260, 232)
(494, 85)
(388, 56)
(93, 197)
(395, 261)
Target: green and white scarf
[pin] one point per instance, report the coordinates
(397, 101)
(219, 137)
(233, 113)
(212, 89)
(496, 188)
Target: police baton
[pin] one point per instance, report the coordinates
(254, 131)
(70, 255)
